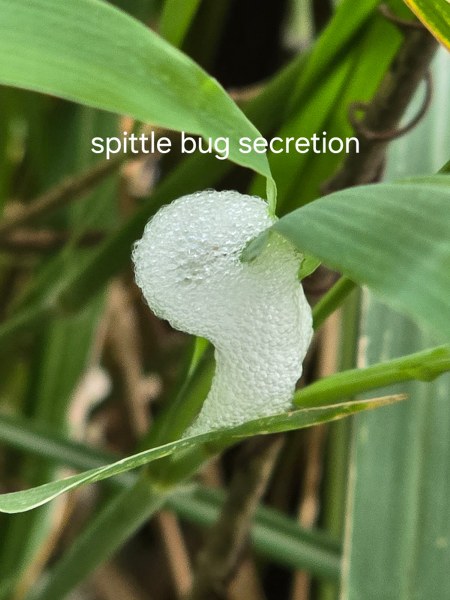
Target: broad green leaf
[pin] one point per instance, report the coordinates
(176, 19)
(76, 287)
(394, 238)
(32, 498)
(397, 516)
(58, 48)
(397, 529)
(435, 15)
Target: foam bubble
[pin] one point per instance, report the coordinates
(255, 314)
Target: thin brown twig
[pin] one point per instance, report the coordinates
(69, 189)
(124, 344)
(403, 24)
(177, 554)
(72, 188)
(44, 240)
(227, 539)
(246, 583)
(384, 111)
(390, 134)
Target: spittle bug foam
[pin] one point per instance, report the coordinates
(255, 314)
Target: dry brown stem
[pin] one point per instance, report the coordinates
(227, 539)
(383, 113)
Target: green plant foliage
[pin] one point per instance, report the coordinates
(393, 238)
(397, 524)
(76, 286)
(21, 501)
(396, 546)
(356, 232)
(326, 109)
(176, 19)
(122, 67)
(295, 546)
(435, 15)
(424, 366)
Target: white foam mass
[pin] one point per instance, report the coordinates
(255, 314)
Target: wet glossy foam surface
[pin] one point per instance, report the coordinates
(255, 314)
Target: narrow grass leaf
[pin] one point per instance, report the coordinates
(26, 500)
(421, 366)
(435, 15)
(176, 18)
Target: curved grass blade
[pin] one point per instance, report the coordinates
(21, 501)
(58, 48)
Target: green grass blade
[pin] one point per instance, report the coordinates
(422, 366)
(355, 77)
(34, 497)
(176, 18)
(332, 300)
(347, 22)
(34, 438)
(57, 48)
(356, 231)
(435, 15)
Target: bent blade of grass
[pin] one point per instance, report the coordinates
(123, 67)
(32, 498)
